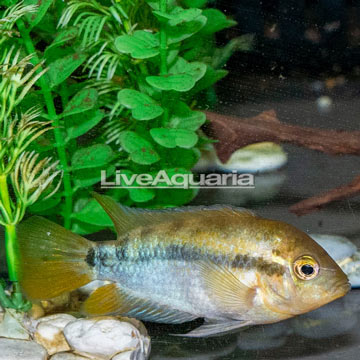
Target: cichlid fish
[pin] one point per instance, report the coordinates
(224, 264)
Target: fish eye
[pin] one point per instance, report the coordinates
(306, 268)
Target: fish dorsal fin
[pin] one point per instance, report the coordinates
(111, 299)
(225, 288)
(216, 328)
(126, 218)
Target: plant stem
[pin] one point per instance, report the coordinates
(11, 251)
(163, 58)
(4, 299)
(163, 41)
(10, 233)
(60, 144)
(4, 196)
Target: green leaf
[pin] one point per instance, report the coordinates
(141, 44)
(141, 195)
(216, 21)
(143, 106)
(92, 156)
(137, 195)
(171, 138)
(80, 124)
(185, 138)
(184, 118)
(182, 76)
(88, 177)
(62, 37)
(185, 30)
(84, 100)
(195, 3)
(61, 69)
(195, 69)
(164, 137)
(82, 228)
(183, 158)
(240, 43)
(174, 197)
(210, 78)
(35, 18)
(44, 205)
(178, 15)
(178, 82)
(140, 150)
(93, 213)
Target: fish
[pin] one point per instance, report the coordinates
(224, 264)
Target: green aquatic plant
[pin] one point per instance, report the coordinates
(124, 84)
(24, 177)
(116, 85)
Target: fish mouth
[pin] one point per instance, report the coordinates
(341, 289)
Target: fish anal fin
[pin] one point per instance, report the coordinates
(225, 288)
(217, 328)
(112, 299)
(104, 300)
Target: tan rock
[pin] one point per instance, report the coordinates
(67, 356)
(55, 304)
(36, 312)
(49, 332)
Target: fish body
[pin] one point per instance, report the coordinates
(220, 263)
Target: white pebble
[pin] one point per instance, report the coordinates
(105, 337)
(49, 332)
(12, 349)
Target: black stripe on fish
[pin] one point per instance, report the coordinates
(258, 263)
(188, 253)
(90, 257)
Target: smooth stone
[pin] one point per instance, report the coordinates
(259, 157)
(338, 247)
(254, 158)
(106, 337)
(352, 269)
(12, 325)
(12, 349)
(49, 332)
(127, 355)
(67, 356)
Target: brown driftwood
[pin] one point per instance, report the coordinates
(234, 133)
(315, 203)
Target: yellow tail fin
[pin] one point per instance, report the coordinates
(52, 260)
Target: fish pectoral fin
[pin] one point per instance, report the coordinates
(111, 299)
(215, 328)
(225, 288)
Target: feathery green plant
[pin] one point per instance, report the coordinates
(117, 85)
(24, 178)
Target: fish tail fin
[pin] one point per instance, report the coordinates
(52, 260)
